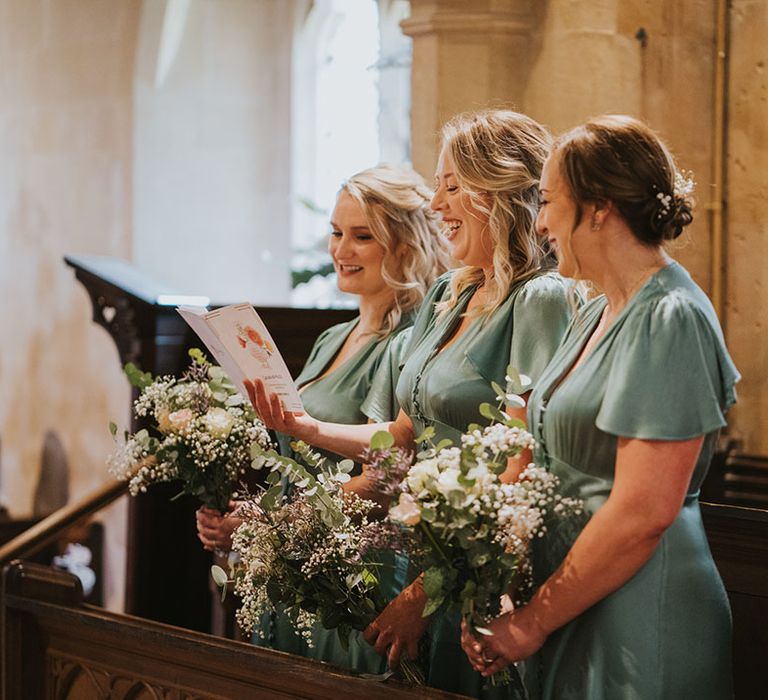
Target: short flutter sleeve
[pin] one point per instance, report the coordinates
(671, 376)
(541, 314)
(381, 405)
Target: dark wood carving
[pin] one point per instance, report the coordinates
(162, 544)
(56, 647)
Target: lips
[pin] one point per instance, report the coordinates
(451, 228)
(348, 269)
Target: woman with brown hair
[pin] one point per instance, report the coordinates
(627, 415)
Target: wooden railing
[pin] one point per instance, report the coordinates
(55, 647)
(50, 529)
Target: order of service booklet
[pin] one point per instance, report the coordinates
(240, 342)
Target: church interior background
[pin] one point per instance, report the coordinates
(203, 141)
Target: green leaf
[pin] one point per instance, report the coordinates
(271, 498)
(219, 576)
(445, 442)
(491, 412)
(498, 389)
(433, 581)
(427, 434)
(198, 356)
(432, 606)
(515, 423)
(382, 440)
(113, 428)
(136, 377)
(347, 465)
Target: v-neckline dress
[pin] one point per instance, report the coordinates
(661, 371)
(444, 388)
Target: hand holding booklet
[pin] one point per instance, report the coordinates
(240, 342)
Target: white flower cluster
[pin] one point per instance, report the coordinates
(473, 529)
(201, 435)
(292, 558)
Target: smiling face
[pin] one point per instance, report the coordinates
(357, 256)
(465, 227)
(570, 239)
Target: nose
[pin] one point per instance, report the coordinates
(438, 199)
(338, 246)
(541, 227)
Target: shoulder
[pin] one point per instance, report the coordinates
(544, 295)
(675, 304)
(544, 287)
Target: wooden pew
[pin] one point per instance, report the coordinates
(55, 646)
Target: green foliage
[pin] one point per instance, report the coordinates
(136, 377)
(382, 440)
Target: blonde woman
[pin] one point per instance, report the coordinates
(627, 415)
(386, 249)
(502, 306)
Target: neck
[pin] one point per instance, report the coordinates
(625, 269)
(372, 311)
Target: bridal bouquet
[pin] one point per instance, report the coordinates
(471, 533)
(309, 551)
(200, 434)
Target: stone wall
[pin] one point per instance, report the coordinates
(563, 61)
(65, 187)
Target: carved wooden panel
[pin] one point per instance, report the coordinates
(74, 679)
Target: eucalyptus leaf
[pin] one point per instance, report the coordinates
(113, 428)
(382, 440)
(219, 576)
(272, 497)
(445, 442)
(491, 412)
(427, 434)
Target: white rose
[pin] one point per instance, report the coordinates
(218, 422)
(407, 511)
(449, 482)
(421, 475)
(180, 420)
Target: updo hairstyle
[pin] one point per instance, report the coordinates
(619, 159)
(396, 205)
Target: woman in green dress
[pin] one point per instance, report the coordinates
(502, 306)
(386, 249)
(627, 415)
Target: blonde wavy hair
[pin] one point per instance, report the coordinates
(498, 156)
(396, 205)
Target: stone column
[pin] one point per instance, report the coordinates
(465, 56)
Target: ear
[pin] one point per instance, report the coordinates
(600, 212)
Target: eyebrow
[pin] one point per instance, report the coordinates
(352, 228)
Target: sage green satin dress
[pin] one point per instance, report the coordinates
(445, 388)
(344, 396)
(660, 372)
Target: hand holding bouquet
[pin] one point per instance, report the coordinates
(311, 553)
(200, 434)
(471, 533)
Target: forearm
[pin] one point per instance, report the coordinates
(613, 546)
(347, 440)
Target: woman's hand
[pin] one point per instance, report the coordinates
(515, 637)
(273, 414)
(400, 625)
(215, 530)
